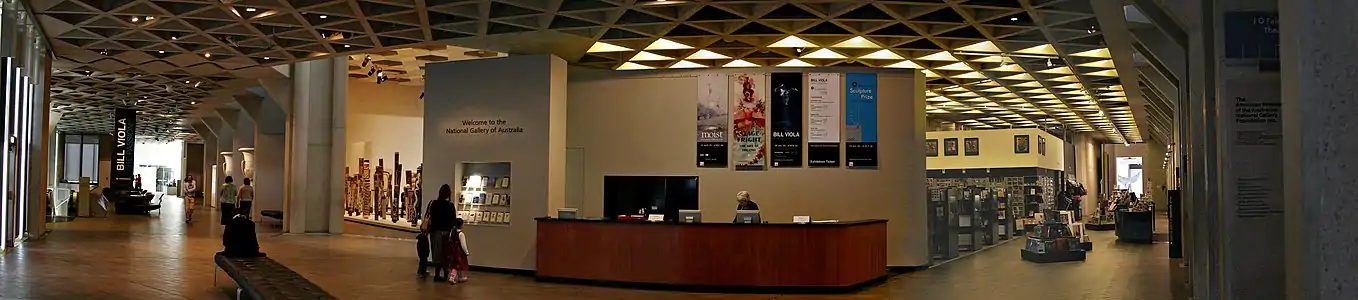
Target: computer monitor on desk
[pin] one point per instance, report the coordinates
(690, 216)
(747, 217)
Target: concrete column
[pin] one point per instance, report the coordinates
(270, 140)
(315, 131)
(1319, 108)
(209, 157)
(244, 138)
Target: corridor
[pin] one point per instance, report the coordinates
(161, 257)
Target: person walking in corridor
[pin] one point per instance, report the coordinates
(246, 199)
(227, 195)
(190, 192)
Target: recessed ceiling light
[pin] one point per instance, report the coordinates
(136, 19)
(150, 18)
(267, 58)
(174, 38)
(1015, 19)
(324, 16)
(346, 46)
(207, 55)
(250, 9)
(162, 51)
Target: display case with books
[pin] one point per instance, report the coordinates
(484, 197)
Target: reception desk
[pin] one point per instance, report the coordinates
(720, 255)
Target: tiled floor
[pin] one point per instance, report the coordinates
(160, 257)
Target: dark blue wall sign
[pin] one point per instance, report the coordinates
(860, 120)
(1251, 35)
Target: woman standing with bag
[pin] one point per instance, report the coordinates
(190, 197)
(438, 223)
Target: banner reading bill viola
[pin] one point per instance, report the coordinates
(860, 121)
(823, 107)
(713, 120)
(786, 96)
(124, 141)
(749, 121)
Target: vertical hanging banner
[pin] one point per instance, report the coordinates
(749, 121)
(713, 120)
(786, 94)
(823, 94)
(124, 141)
(860, 120)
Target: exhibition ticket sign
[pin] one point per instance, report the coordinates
(786, 98)
(823, 97)
(860, 120)
(713, 120)
(749, 115)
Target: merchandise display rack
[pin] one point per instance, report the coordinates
(1051, 241)
(484, 194)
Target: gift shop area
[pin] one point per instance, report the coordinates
(638, 149)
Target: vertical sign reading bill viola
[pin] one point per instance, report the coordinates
(713, 120)
(786, 96)
(823, 94)
(860, 120)
(125, 139)
(749, 121)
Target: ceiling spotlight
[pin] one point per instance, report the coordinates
(207, 55)
(193, 102)
(103, 52)
(196, 84)
(1092, 29)
(174, 38)
(381, 74)
(1050, 63)
(250, 9)
(136, 19)
(346, 46)
(421, 95)
(150, 18)
(371, 71)
(162, 51)
(267, 58)
(1013, 19)
(366, 59)
(187, 82)
(324, 16)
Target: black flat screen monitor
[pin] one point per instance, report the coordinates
(626, 195)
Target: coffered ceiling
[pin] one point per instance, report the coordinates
(406, 66)
(991, 63)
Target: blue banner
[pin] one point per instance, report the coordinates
(860, 120)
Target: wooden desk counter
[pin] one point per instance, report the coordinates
(820, 255)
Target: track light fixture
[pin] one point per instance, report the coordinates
(372, 71)
(421, 95)
(103, 52)
(366, 60)
(1050, 63)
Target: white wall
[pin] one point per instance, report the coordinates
(524, 91)
(388, 118)
(168, 154)
(643, 123)
(997, 150)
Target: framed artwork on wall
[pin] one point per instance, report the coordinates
(972, 146)
(1041, 145)
(950, 147)
(931, 148)
(1022, 143)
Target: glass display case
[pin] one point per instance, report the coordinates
(484, 197)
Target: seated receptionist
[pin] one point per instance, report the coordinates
(743, 201)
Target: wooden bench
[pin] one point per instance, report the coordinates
(276, 214)
(262, 278)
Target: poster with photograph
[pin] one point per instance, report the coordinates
(823, 112)
(950, 147)
(1041, 145)
(931, 148)
(785, 95)
(860, 120)
(1021, 143)
(971, 146)
(713, 120)
(749, 121)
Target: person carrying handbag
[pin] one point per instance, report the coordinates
(438, 223)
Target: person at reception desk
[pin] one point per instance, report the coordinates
(743, 203)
